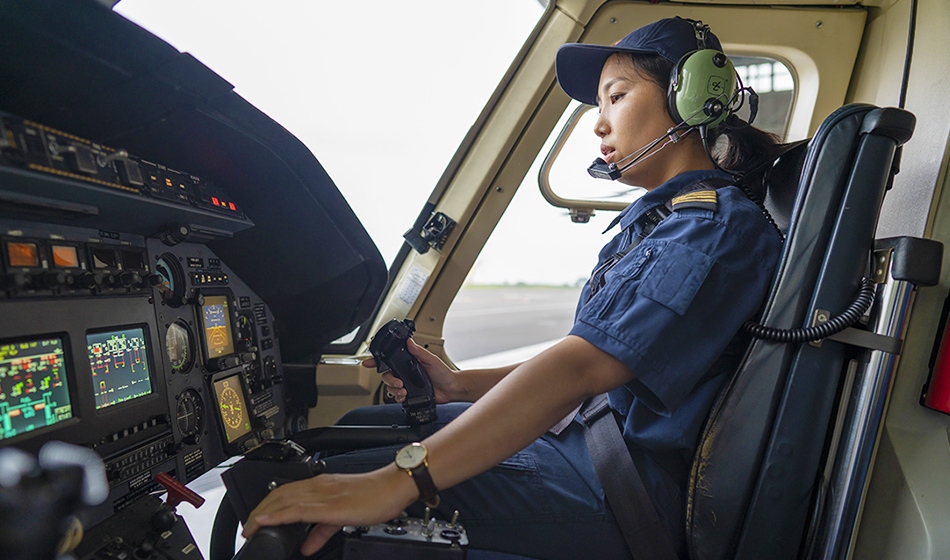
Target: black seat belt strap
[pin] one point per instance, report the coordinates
(647, 536)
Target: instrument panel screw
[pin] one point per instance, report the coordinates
(613, 20)
(818, 24)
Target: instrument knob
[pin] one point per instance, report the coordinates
(129, 278)
(89, 280)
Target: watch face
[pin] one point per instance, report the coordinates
(410, 456)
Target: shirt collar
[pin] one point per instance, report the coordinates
(662, 194)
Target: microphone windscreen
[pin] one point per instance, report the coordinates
(600, 169)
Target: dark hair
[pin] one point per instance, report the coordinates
(736, 145)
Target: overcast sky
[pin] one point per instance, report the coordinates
(382, 93)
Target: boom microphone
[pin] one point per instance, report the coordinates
(600, 169)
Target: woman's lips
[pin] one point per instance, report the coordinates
(607, 152)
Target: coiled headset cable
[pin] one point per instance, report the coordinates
(833, 326)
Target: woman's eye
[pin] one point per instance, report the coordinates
(615, 97)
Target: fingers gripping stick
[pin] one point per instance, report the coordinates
(390, 349)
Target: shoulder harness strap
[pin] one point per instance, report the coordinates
(646, 534)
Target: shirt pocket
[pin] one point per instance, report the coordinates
(622, 279)
(676, 277)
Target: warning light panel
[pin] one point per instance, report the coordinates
(42, 150)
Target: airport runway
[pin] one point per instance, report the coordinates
(485, 321)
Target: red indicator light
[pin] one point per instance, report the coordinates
(232, 206)
(14, 412)
(39, 406)
(215, 201)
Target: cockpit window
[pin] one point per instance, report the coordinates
(775, 85)
(382, 95)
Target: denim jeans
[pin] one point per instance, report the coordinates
(544, 501)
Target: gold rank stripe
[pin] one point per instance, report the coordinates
(78, 177)
(698, 196)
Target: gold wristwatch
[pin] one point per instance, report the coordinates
(412, 459)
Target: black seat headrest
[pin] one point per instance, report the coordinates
(782, 180)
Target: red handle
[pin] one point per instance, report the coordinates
(178, 492)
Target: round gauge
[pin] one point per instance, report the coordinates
(189, 415)
(171, 279)
(232, 408)
(179, 347)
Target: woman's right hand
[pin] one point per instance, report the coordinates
(444, 380)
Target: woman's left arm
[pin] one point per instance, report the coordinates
(520, 408)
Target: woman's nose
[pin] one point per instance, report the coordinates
(601, 128)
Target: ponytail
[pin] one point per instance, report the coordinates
(740, 146)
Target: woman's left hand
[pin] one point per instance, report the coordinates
(330, 501)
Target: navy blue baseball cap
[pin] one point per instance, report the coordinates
(578, 64)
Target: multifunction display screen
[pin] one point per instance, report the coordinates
(119, 362)
(33, 389)
(232, 407)
(216, 319)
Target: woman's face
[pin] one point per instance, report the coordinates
(632, 115)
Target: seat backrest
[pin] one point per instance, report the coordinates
(758, 458)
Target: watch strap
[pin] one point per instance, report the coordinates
(428, 494)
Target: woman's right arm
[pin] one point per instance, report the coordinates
(450, 385)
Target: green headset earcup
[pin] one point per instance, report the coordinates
(701, 76)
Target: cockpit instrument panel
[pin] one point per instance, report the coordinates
(119, 328)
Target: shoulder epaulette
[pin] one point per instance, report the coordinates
(705, 199)
(701, 195)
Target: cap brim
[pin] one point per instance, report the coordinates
(578, 67)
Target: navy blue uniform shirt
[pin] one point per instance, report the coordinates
(670, 310)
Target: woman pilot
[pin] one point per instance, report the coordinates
(656, 328)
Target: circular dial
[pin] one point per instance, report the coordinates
(172, 279)
(179, 347)
(231, 408)
(411, 456)
(189, 415)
